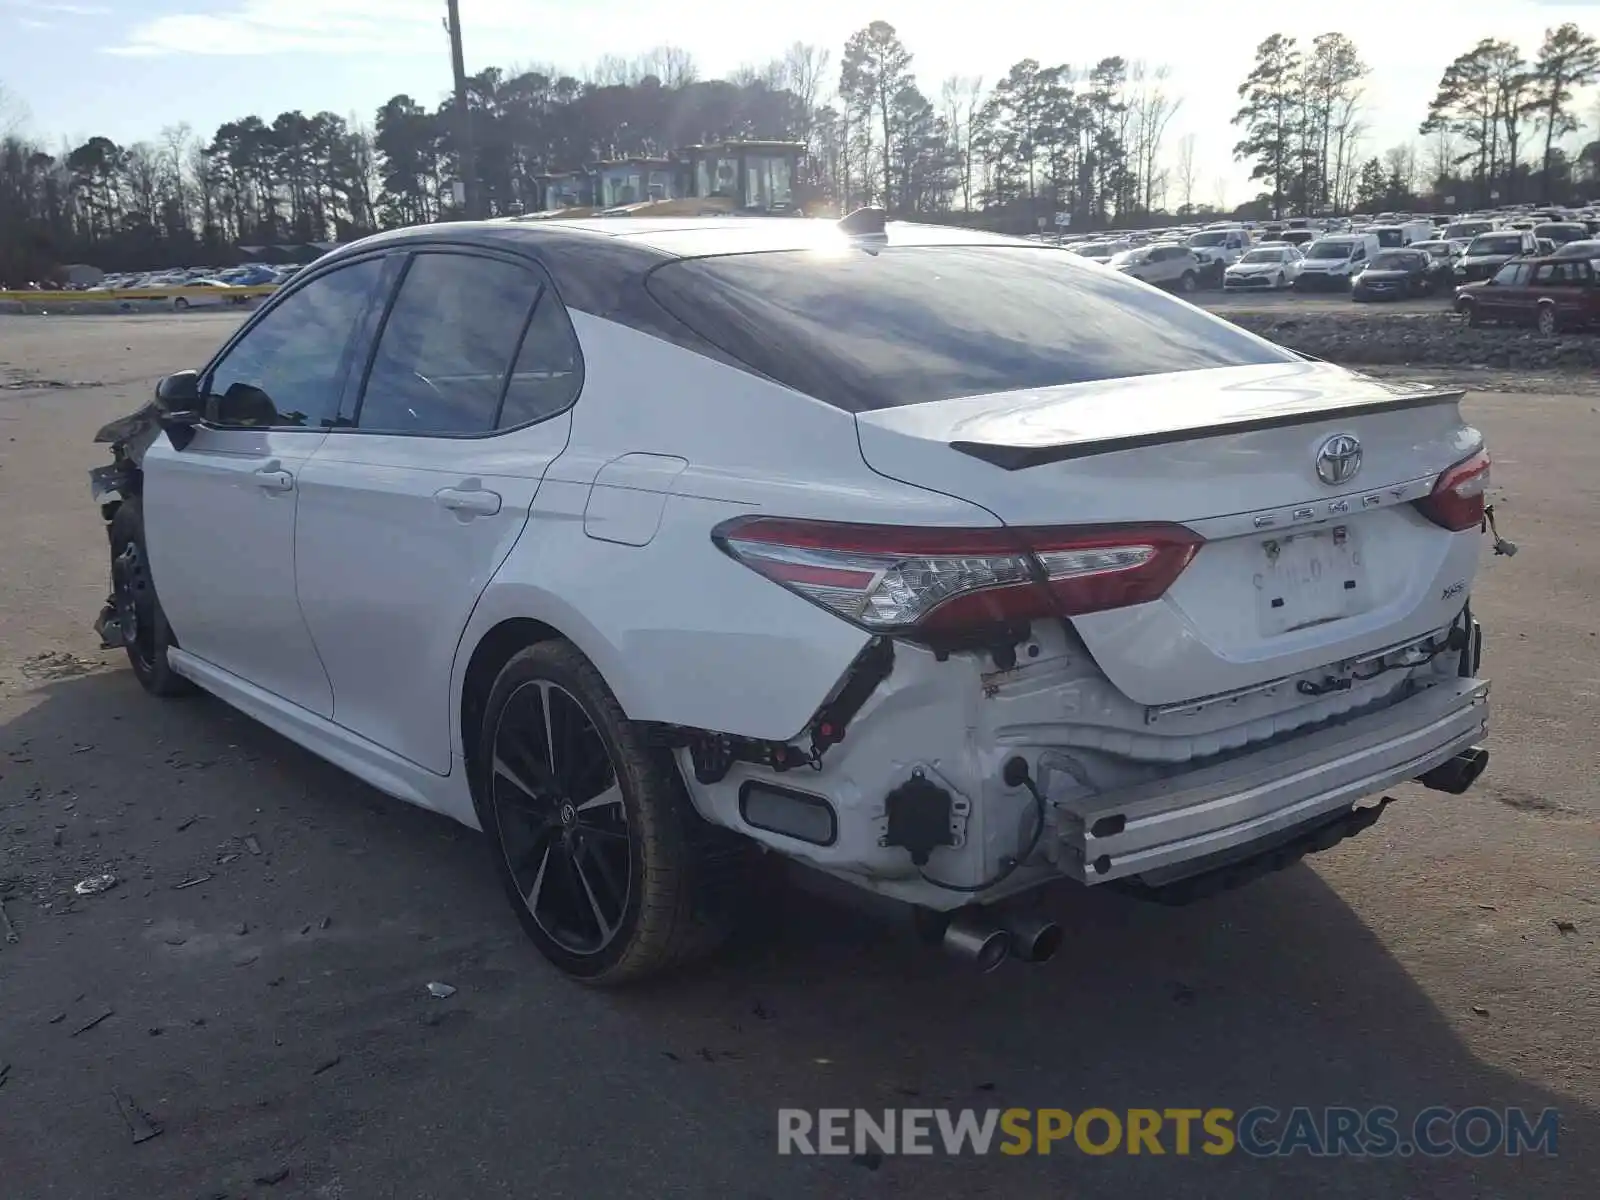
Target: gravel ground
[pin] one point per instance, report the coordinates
(272, 1026)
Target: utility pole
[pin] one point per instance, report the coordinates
(466, 159)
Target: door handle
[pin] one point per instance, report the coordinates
(271, 477)
(468, 502)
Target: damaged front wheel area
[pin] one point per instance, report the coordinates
(134, 618)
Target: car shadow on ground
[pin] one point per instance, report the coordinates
(288, 989)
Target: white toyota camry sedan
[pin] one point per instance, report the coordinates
(943, 563)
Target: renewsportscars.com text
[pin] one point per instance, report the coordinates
(1259, 1132)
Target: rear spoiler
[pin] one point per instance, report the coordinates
(1018, 458)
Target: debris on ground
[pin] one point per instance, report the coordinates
(85, 1028)
(1565, 926)
(5, 1073)
(186, 822)
(252, 845)
(325, 923)
(58, 1018)
(195, 882)
(95, 884)
(6, 927)
(327, 1064)
(139, 1123)
(275, 1176)
(441, 991)
(1480, 1010)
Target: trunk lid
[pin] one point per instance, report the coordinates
(1299, 569)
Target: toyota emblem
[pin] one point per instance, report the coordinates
(1338, 459)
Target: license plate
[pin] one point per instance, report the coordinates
(1308, 578)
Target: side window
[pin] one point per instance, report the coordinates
(1507, 274)
(289, 369)
(1546, 273)
(447, 346)
(1359, 255)
(548, 372)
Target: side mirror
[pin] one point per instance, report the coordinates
(179, 394)
(177, 406)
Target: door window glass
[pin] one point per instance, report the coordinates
(547, 374)
(447, 346)
(289, 369)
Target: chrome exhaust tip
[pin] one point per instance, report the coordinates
(1034, 939)
(978, 940)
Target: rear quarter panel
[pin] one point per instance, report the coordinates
(681, 632)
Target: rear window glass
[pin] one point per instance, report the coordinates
(881, 327)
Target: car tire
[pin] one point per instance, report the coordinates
(1281, 283)
(146, 636)
(1469, 309)
(1188, 283)
(1547, 320)
(179, 303)
(613, 887)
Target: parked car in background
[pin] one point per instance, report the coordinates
(1551, 294)
(1400, 275)
(1331, 262)
(1165, 266)
(1029, 572)
(1562, 232)
(1274, 267)
(1218, 249)
(207, 293)
(1298, 238)
(1589, 250)
(1488, 252)
(1101, 252)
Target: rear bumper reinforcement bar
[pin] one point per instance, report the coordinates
(1168, 829)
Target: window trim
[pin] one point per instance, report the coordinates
(545, 287)
(279, 298)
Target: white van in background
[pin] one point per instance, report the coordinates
(1400, 234)
(1331, 261)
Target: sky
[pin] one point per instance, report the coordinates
(125, 68)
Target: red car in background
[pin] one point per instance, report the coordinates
(1551, 294)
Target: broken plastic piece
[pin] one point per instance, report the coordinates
(441, 991)
(95, 884)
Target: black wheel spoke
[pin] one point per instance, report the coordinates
(562, 818)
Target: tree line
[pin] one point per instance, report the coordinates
(1089, 140)
(1493, 128)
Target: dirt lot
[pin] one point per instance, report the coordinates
(273, 1022)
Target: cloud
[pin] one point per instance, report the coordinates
(254, 27)
(59, 10)
(35, 23)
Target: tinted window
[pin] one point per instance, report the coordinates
(1336, 251)
(448, 345)
(1512, 273)
(289, 368)
(881, 327)
(547, 374)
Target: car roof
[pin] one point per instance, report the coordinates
(684, 237)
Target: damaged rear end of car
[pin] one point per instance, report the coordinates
(1224, 601)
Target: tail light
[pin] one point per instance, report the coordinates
(1456, 501)
(897, 579)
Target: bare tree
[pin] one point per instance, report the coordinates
(1442, 156)
(1401, 163)
(612, 70)
(1186, 172)
(805, 72)
(672, 65)
(1152, 110)
(1221, 193)
(960, 99)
